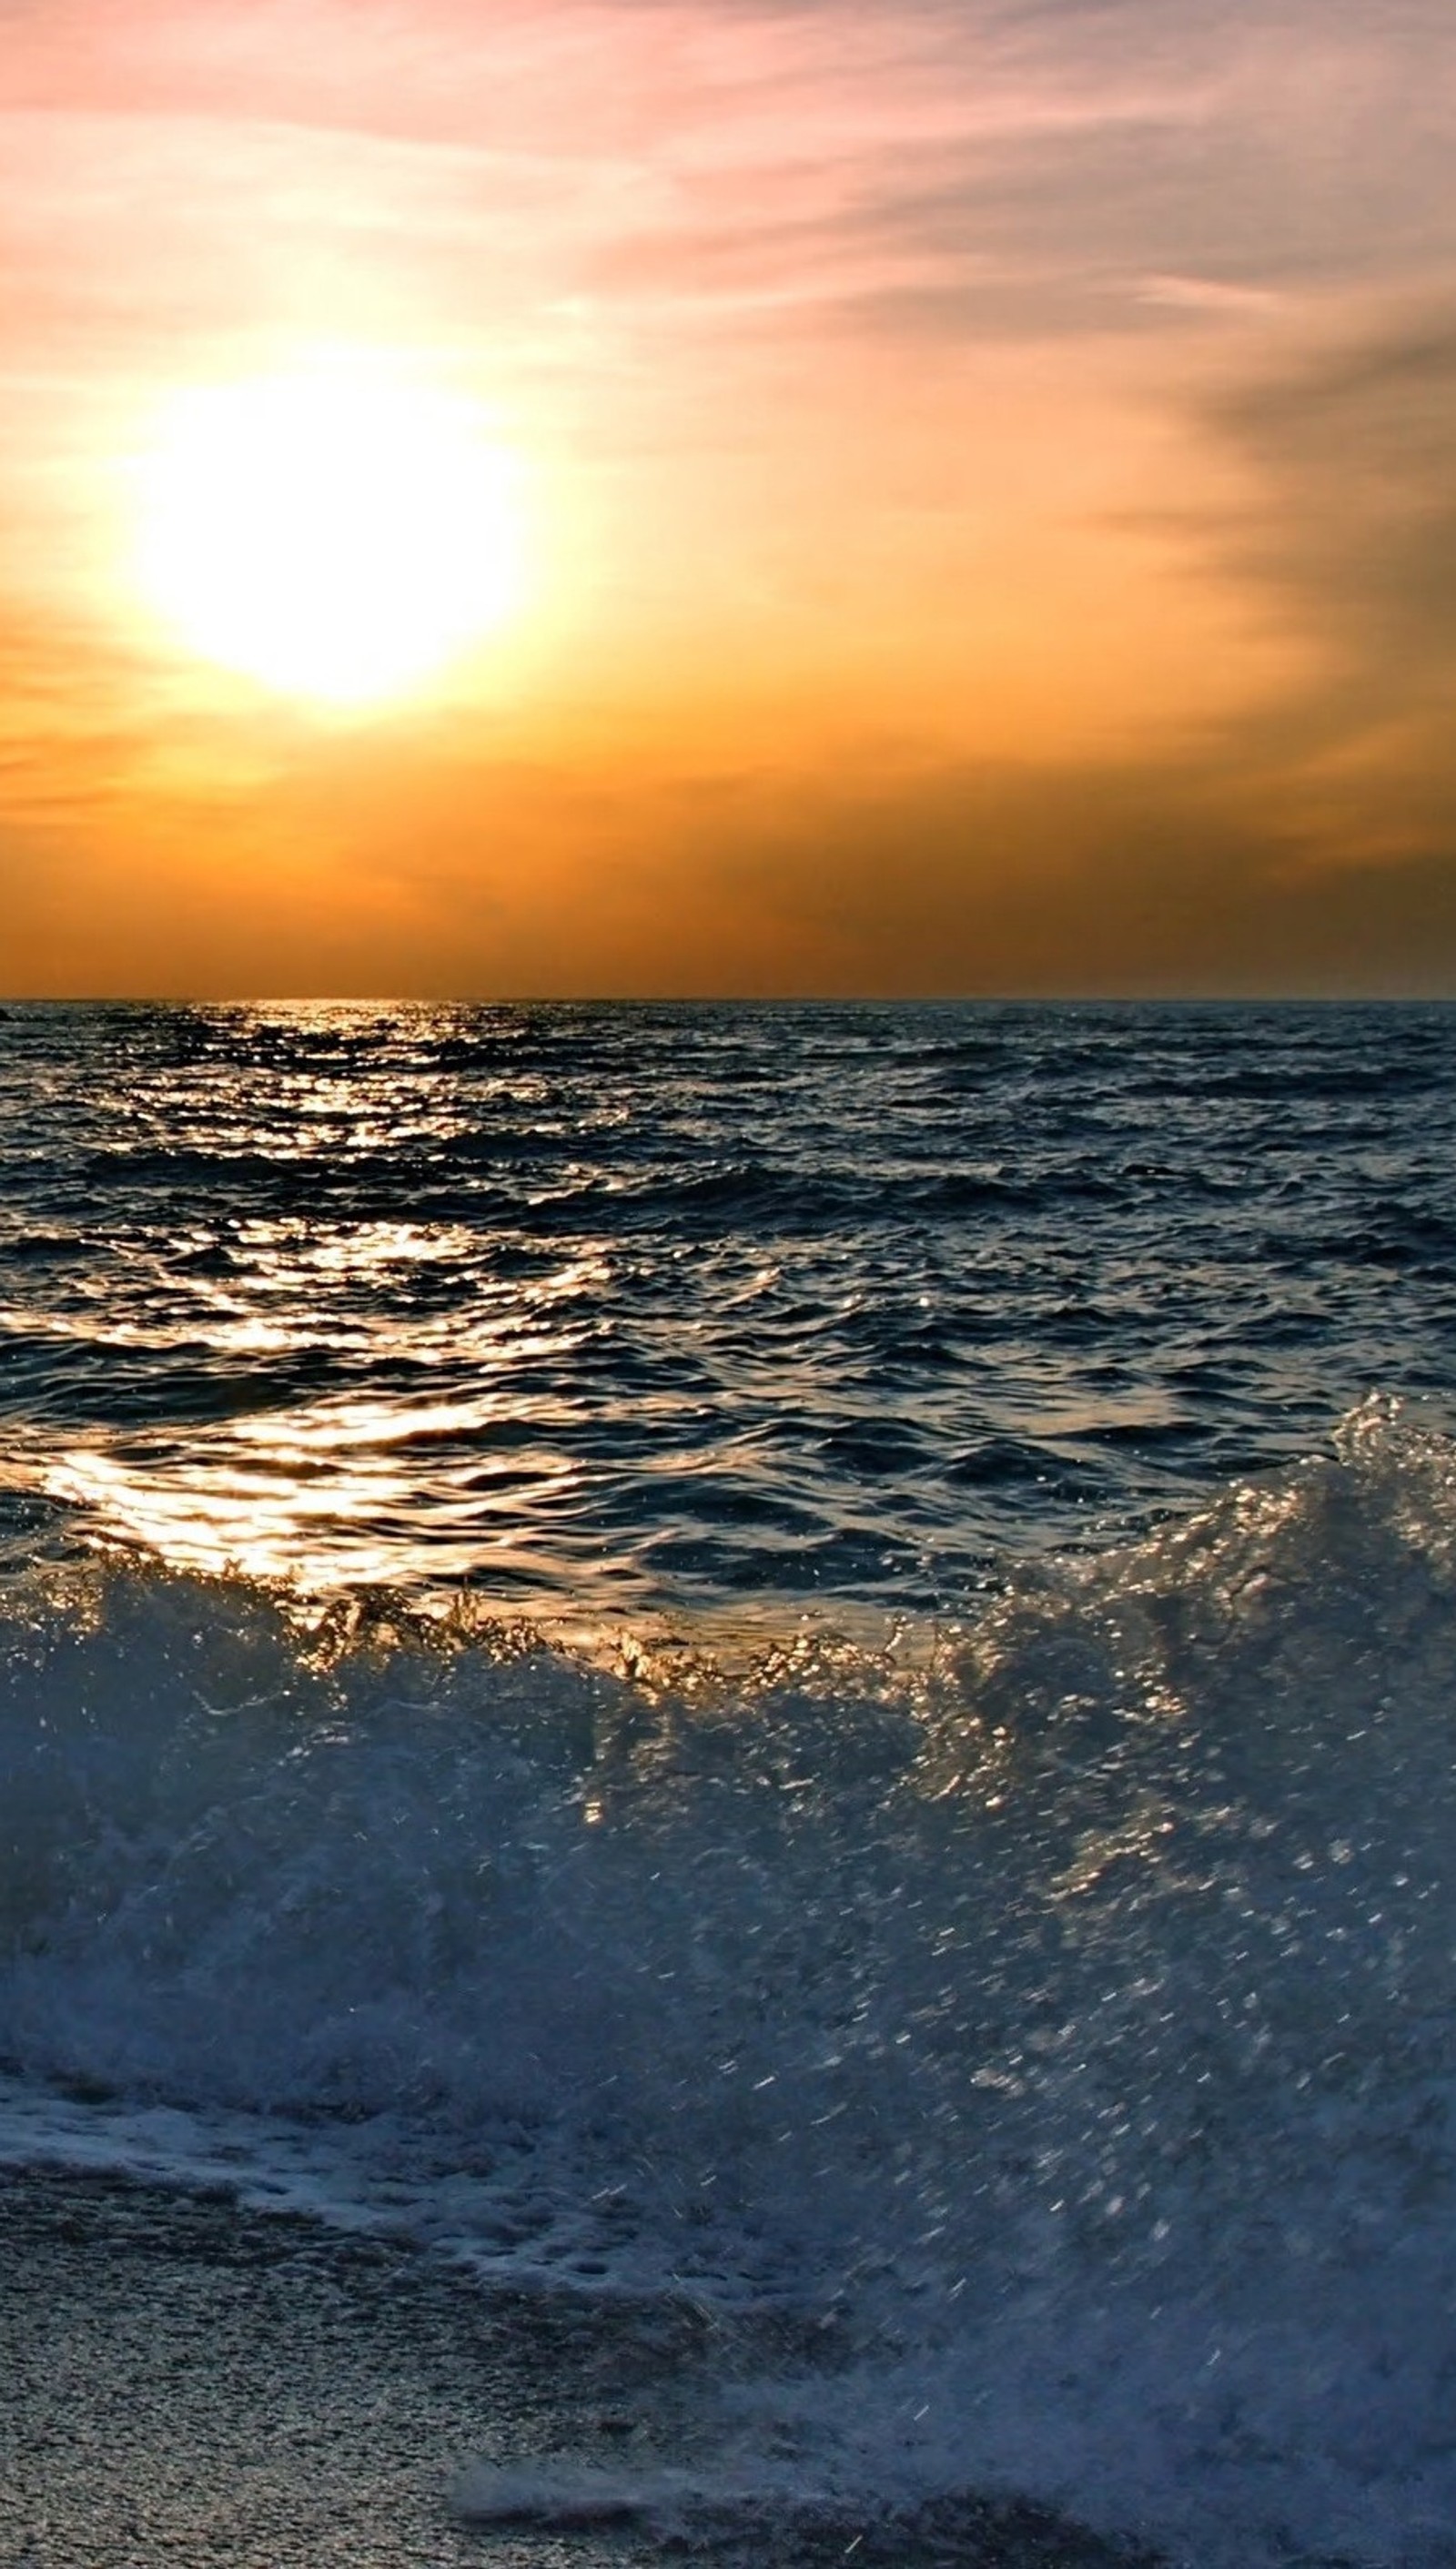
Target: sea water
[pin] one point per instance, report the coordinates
(798, 1659)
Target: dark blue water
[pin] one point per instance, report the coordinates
(791, 1662)
(625, 1307)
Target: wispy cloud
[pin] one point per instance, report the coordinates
(627, 149)
(1355, 524)
(1345, 529)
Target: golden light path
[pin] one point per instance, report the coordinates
(340, 532)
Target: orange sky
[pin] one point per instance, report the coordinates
(983, 485)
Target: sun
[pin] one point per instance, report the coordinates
(339, 535)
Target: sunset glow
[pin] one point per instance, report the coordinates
(678, 499)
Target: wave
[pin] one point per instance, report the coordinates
(1056, 2000)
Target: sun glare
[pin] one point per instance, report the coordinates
(337, 534)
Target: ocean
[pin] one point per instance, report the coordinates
(783, 1673)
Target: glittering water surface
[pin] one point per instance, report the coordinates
(602, 1306)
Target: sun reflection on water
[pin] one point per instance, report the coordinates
(467, 1478)
(299, 1512)
(685, 1305)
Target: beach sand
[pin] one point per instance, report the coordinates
(185, 2381)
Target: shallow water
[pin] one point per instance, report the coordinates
(179, 2380)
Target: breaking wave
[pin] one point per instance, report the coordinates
(1056, 2003)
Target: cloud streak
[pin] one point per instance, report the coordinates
(638, 148)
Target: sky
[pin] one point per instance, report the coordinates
(974, 496)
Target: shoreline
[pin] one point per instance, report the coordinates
(183, 2379)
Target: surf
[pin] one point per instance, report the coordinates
(1054, 2001)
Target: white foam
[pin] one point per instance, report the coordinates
(1063, 2001)
(563, 2494)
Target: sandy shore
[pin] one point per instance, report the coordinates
(185, 2382)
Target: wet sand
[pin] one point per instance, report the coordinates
(182, 2381)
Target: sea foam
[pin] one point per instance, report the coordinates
(1054, 2003)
